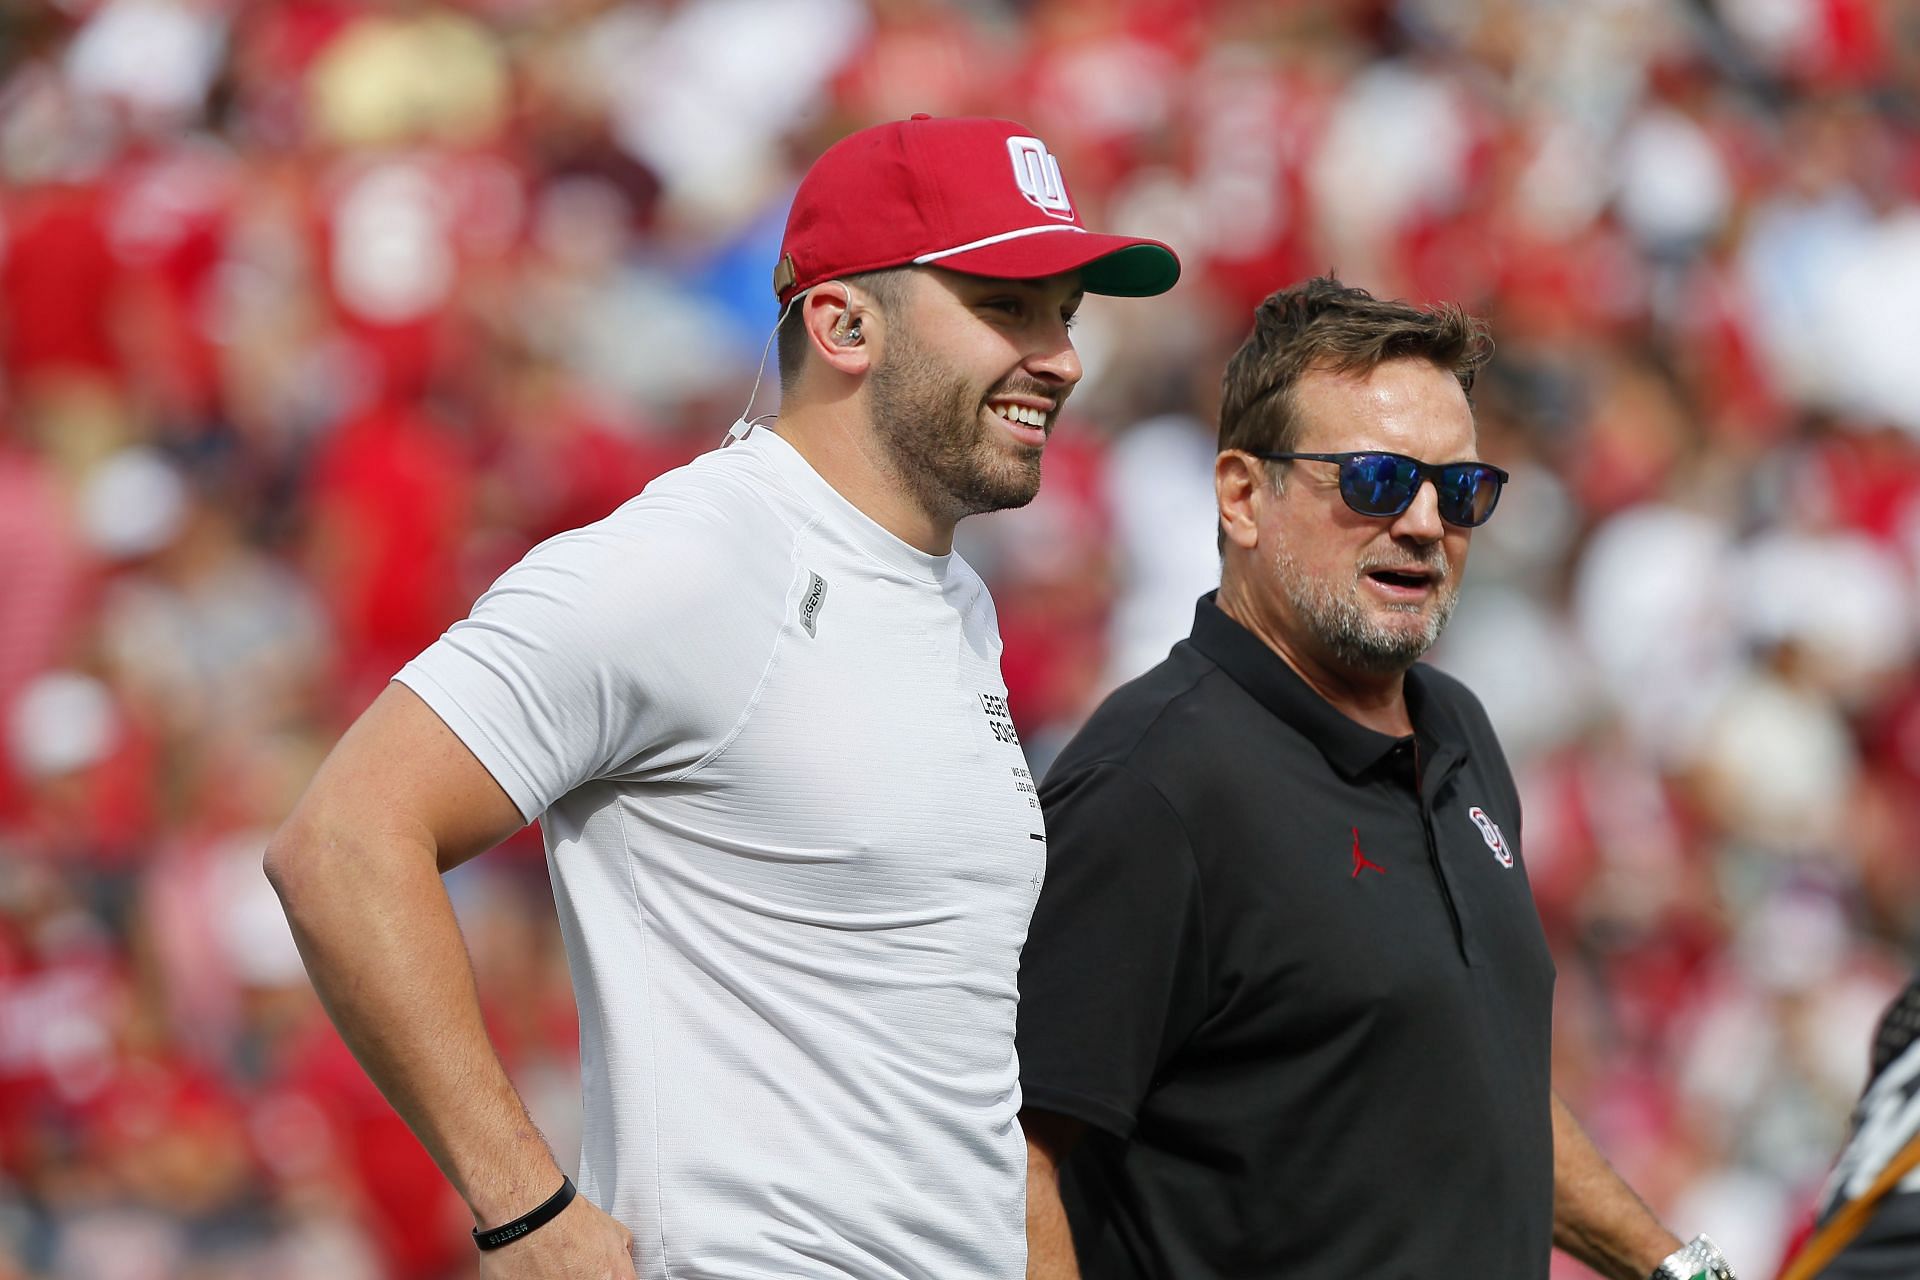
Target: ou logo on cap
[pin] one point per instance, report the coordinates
(1491, 834)
(1037, 174)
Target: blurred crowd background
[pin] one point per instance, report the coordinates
(315, 315)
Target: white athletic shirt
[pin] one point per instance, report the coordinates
(795, 848)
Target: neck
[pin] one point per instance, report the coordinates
(838, 442)
(1377, 700)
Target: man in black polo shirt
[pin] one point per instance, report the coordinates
(1285, 1002)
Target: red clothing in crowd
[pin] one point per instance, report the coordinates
(58, 284)
(391, 506)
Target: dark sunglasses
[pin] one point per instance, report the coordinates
(1384, 484)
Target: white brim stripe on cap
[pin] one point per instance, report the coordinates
(935, 256)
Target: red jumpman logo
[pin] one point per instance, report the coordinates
(1362, 860)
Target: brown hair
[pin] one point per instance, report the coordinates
(1321, 324)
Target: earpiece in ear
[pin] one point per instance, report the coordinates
(846, 331)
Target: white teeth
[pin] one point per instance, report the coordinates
(1022, 414)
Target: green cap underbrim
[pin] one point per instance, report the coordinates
(1137, 271)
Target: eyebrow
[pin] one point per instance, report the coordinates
(993, 284)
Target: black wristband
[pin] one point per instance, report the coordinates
(507, 1232)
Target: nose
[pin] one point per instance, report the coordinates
(1421, 521)
(1055, 360)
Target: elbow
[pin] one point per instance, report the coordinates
(321, 857)
(293, 861)
(281, 860)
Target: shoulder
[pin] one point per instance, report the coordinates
(714, 522)
(698, 559)
(723, 500)
(1454, 700)
(966, 591)
(1120, 800)
(1144, 721)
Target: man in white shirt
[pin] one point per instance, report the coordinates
(758, 712)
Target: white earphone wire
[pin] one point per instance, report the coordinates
(746, 422)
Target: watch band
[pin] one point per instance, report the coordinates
(1698, 1259)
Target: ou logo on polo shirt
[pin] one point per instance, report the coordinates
(1491, 834)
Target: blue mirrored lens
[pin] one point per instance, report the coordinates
(1378, 484)
(1468, 491)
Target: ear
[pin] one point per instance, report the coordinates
(1239, 488)
(826, 312)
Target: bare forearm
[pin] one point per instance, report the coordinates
(380, 941)
(1597, 1217)
(1050, 1253)
(1049, 1243)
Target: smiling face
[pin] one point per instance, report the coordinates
(971, 382)
(1365, 595)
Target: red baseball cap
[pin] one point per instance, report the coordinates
(966, 193)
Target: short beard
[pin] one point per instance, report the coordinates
(929, 422)
(1339, 621)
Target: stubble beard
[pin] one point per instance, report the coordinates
(1338, 618)
(930, 422)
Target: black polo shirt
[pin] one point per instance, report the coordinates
(1290, 972)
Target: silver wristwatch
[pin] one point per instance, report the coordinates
(1698, 1259)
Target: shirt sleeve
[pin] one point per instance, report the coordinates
(1113, 977)
(627, 649)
